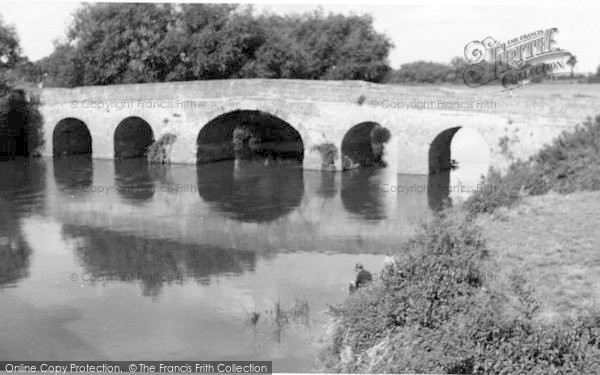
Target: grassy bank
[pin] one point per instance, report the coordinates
(505, 283)
(552, 240)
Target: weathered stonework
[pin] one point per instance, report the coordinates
(321, 112)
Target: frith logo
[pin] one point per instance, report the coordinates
(517, 62)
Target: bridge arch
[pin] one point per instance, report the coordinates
(247, 135)
(71, 136)
(363, 146)
(440, 156)
(132, 138)
(458, 159)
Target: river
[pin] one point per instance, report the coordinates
(110, 260)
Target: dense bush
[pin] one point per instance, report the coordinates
(159, 152)
(245, 142)
(570, 163)
(21, 131)
(329, 154)
(437, 313)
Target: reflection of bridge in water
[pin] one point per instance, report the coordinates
(256, 209)
(207, 220)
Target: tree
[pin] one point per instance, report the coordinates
(10, 50)
(20, 122)
(429, 72)
(126, 43)
(61, 68)
(117, 43)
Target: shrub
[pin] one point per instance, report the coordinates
(570, 163)
(21, 131)
(500, 191)
(245, 142)
(438, 280)
(159, 151)
(329, 154)
(438, 315)
(379, 134)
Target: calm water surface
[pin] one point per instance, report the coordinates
(121, 261)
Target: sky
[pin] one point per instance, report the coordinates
(419, 30)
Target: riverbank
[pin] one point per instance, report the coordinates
(503, 283)
(510, 291)
(552, 240)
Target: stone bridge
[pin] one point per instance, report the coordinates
(317, 121)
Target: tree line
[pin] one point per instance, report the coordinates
(115, 43)
(112, 43)
(134, 43)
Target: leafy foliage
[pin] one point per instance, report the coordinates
(429, 72)
(159, 152)
(570, 163)
(437, 314)
(20, 120)
(110, 43)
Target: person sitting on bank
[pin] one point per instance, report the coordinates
(363, 278)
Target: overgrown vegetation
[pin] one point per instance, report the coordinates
(329, 154)
(570, 163)
(159, 152)
(281, 316)
(245, 142)
(20, 120)
(436, 313)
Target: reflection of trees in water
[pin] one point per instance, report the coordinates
(251, 192)
(22, 188)
(154, 262)
(362, 194)
(438, 193)
(73, 173)
(14, 250)
(134, 180)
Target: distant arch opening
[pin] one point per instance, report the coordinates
(458, 159)
(363, 146)
(249, 135)
(132, 138)
(71, 137)
(440, 158)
